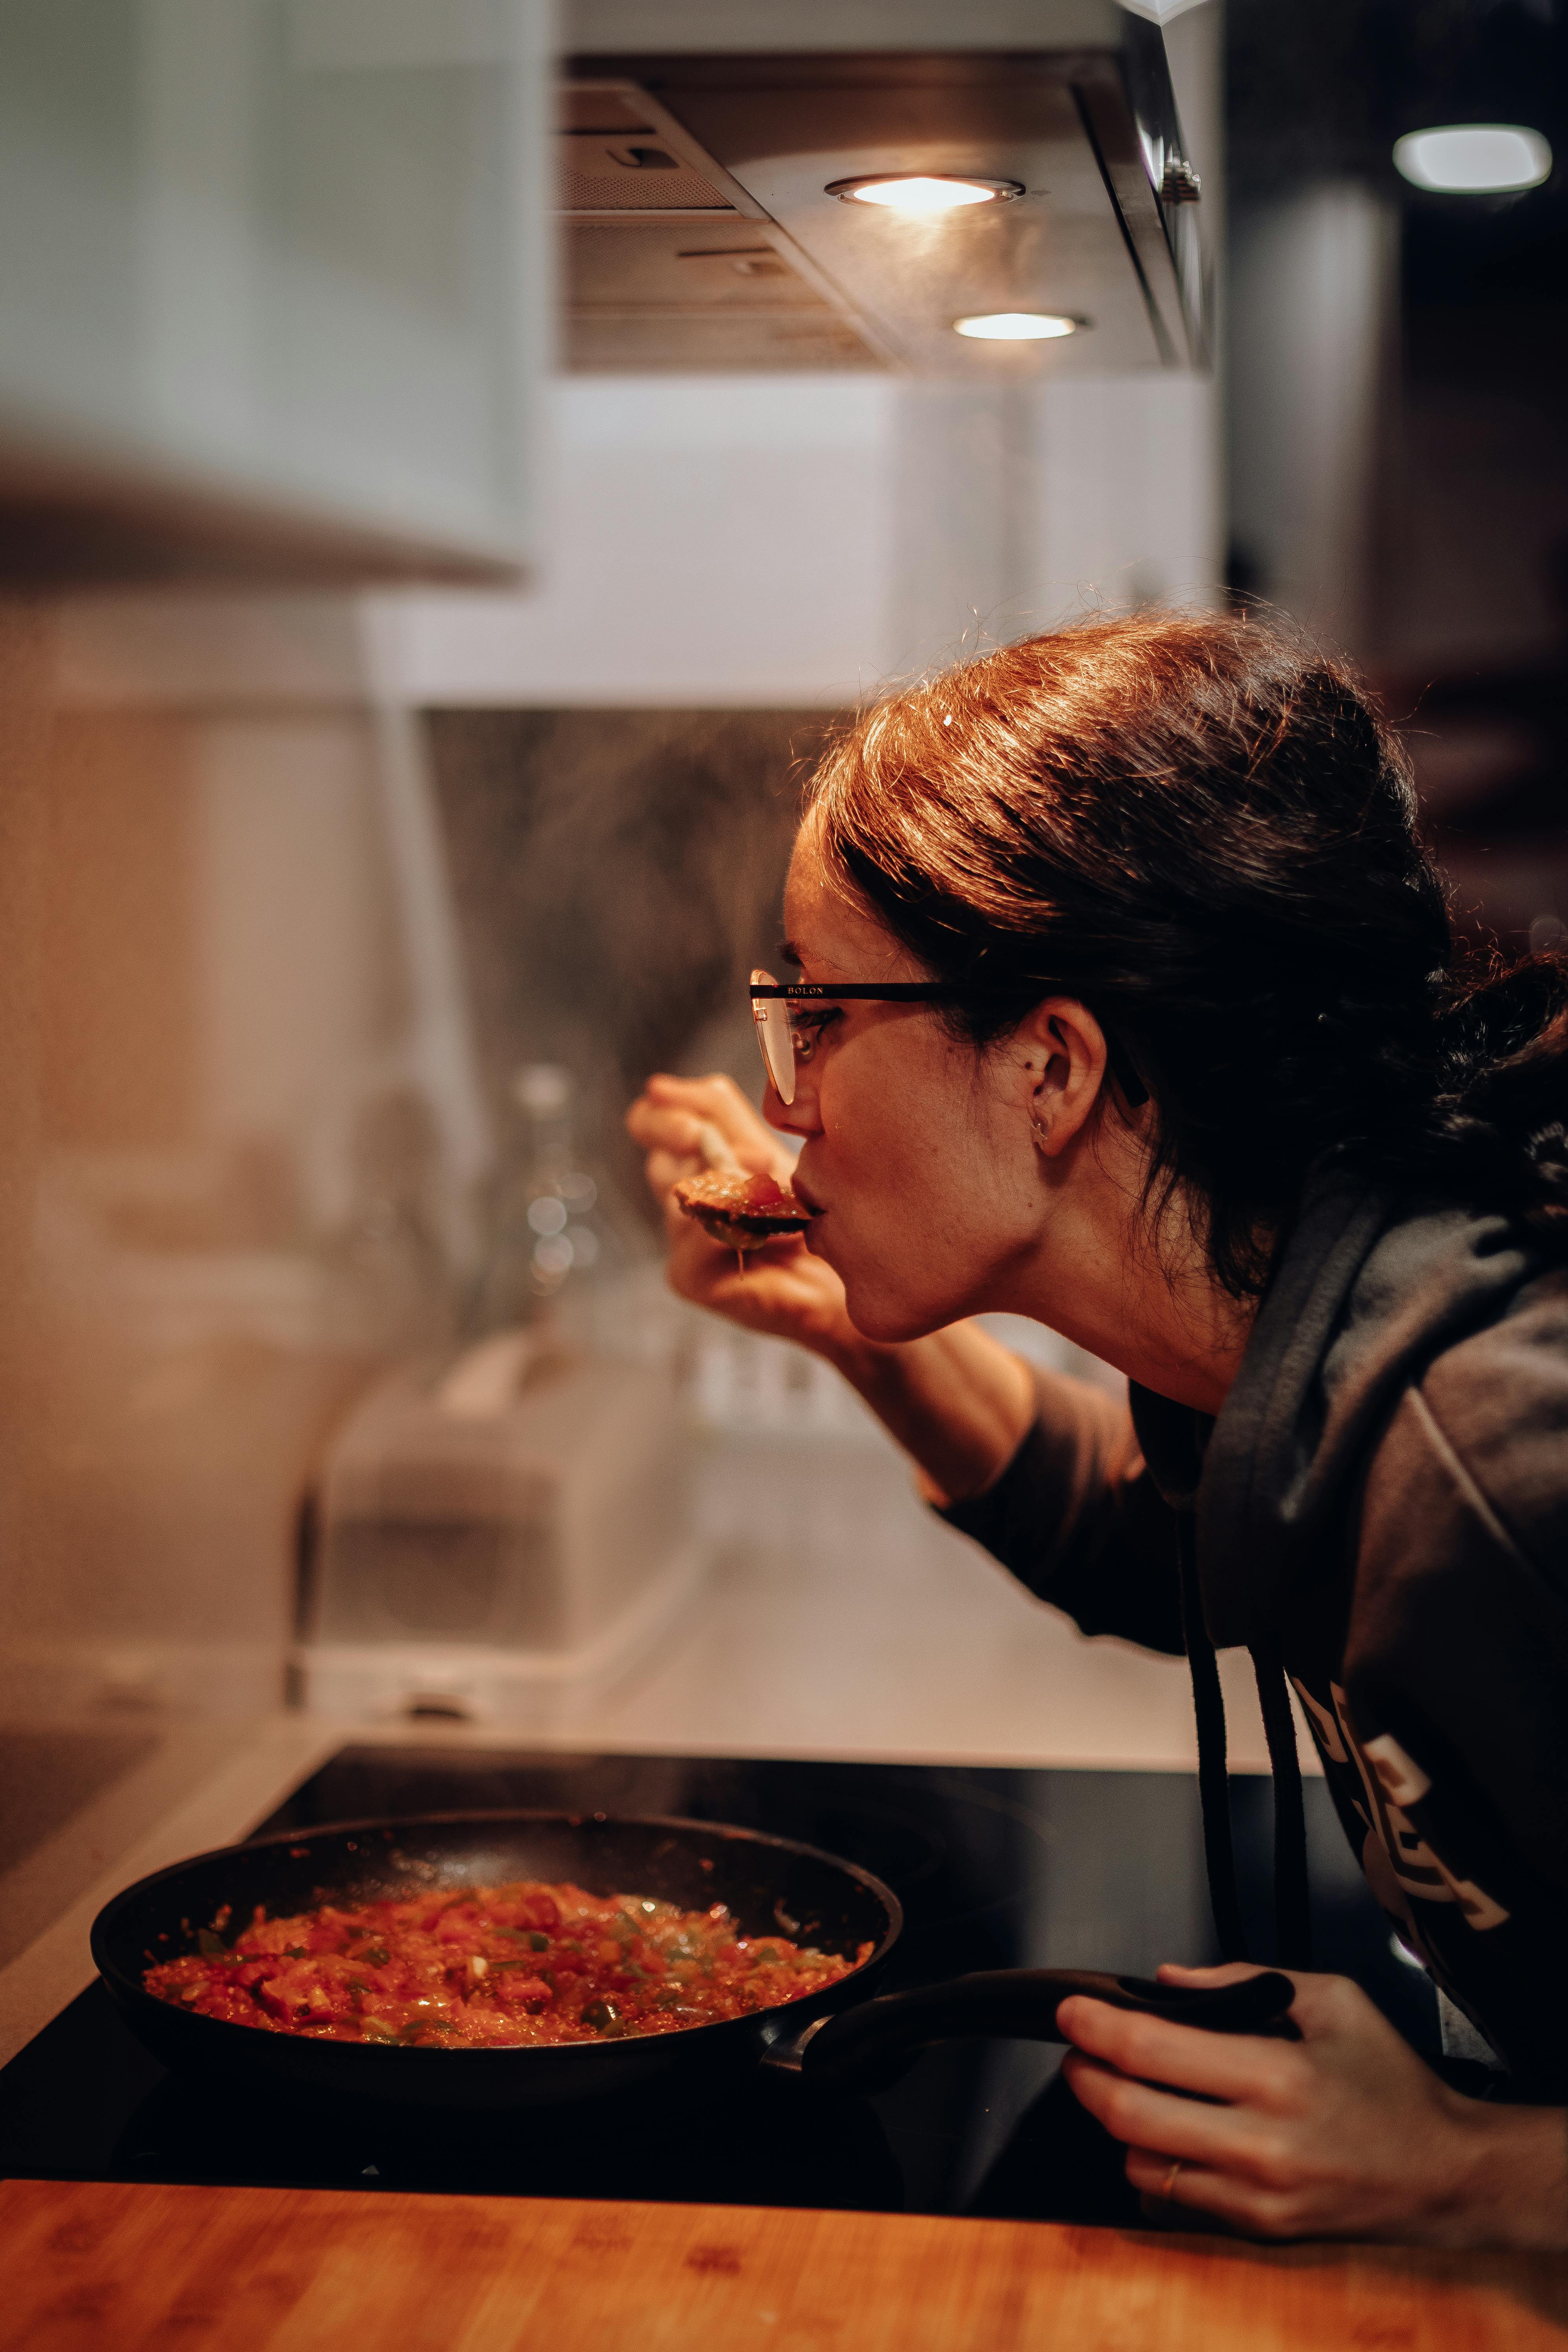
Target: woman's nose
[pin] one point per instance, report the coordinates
(798, 1117)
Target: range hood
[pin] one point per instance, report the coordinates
(701, 233)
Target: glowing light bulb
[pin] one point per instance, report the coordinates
(1474, 158)
(1018, 326)
(923, 193)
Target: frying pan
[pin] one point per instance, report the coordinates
(771, 1884)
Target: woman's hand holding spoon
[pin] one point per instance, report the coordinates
(704, 1128)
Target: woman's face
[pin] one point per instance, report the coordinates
(920, 1164)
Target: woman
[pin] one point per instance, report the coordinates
(1190, 1078)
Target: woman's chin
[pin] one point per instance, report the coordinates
(885, 1317)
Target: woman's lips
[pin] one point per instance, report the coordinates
(805, 1197)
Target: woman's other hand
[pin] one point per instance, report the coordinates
(1345, 2134)
(684, 1125)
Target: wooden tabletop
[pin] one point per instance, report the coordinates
(114, 2267)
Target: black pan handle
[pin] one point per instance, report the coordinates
(867, 2047)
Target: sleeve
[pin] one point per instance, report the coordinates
(1076, 1517)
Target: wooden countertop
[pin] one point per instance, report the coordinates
(114, 2267)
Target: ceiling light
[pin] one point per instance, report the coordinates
(923, 192)
(1474, 158)
(1018, 326)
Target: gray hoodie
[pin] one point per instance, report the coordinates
(1381, 1509)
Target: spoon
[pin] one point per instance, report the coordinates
(740, 1212)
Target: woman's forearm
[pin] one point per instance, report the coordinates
(958, 1401)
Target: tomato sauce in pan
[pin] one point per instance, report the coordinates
(490, 1966)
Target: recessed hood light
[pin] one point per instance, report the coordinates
(1474, 158)
(923, 193)
(1018, 326)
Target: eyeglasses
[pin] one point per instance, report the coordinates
(782, 1044)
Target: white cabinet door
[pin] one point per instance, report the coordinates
(275, 285)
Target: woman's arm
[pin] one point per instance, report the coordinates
(958, 1402)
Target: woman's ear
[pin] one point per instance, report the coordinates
(1065, 1057)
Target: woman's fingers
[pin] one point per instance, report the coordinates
(1165, 2125)
(673, 1140)
(716, 1102)
(1169, 2181)
(1229, 1972)
(664, 1128)
(1216, 2065)
(1322, 2005)
(1220, 2197)
(680, 1135)
(1157, 2176)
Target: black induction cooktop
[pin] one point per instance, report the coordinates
(995, 1868)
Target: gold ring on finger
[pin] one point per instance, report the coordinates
(1169, 2188)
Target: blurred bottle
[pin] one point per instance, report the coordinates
(549, 1244)
(399, 1292)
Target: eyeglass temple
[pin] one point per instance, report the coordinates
(917, 992)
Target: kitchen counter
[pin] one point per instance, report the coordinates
(257, 2270)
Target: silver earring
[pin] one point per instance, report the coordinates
(1040, 1133)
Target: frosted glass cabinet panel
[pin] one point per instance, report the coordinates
(274, 285)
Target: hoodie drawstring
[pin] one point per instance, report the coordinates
(1292, 1906)
(1214, 1786)
(1292, 1912)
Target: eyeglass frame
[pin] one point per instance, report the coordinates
(907, 992)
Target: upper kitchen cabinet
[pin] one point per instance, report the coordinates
(975, 188)
(276, 283)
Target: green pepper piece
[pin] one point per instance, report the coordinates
(211, 1946)
(539, 1942)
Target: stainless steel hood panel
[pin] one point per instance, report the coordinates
(670, 263)
(674, 27)
(1087, 131)
(717, 295)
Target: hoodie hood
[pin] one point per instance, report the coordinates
(1366, 1292)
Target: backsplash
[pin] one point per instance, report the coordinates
(616, 874)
